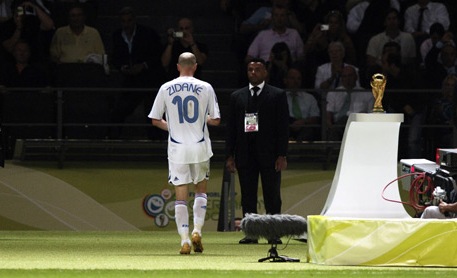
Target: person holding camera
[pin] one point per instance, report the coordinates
(30, 22)
(179, 42)
(318, 42)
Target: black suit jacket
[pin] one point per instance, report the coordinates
(146, 48)
(272, 138)
(435, 71)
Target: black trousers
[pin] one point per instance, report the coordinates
(271, 187)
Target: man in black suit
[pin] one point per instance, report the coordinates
(257, 140)
(136, 54)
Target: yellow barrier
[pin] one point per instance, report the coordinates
(382, 242)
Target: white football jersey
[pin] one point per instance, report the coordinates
(186, 102)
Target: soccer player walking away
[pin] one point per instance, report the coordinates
(190, 105)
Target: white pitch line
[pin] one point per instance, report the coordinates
(308, 197)
(38, 205)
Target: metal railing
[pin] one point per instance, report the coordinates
(87, 110)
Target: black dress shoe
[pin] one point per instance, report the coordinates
(275, 241)
(248, 241)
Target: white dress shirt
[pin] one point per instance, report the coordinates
(360, 102)
(435, 12)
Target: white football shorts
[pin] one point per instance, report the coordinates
(179, 174)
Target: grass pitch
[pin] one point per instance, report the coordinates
(156, 254)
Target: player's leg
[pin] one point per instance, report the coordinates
(179, 176)
(200, 173)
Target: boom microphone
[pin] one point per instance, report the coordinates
(271, 227)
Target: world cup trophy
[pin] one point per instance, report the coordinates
(378, 85)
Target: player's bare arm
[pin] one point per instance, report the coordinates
(213, 122)
(162, 124)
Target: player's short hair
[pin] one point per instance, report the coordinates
(187, 59)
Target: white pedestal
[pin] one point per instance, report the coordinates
(366, 164)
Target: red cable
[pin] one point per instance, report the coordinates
(414, 190)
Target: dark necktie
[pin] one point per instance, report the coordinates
(421, 17)
(296, 111)
(254, 99)
(346, 104)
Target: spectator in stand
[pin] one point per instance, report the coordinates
(399, 77)
(303, 108)
(279, 63)
(59, 10)
(316, 47)
(440, 62)
(21, 73)
(350, 98)
(26, 106)
(437, 33)
(451, 6)
(136, 54)
(392, 32)
(250, 19)
(241, 9)
(328, 75)
(264, 41)
(350, 4)
(78, 56)
(31, 23)
(419, 17)
(5, 10)
(389, 47)
(363, 12)
(443, 112)
(365, 20)
(261, 19)
(412, 105)
(179, 42)
(77, 42)
(322, 35)
(312, 12)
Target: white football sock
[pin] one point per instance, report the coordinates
(182, 220)
(199, 212)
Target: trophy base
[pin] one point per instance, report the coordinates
(378, 110)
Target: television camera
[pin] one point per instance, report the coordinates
(430, 181)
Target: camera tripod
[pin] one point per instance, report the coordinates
(275, 257)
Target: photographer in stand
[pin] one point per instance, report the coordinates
(179, 42)
(32, 23)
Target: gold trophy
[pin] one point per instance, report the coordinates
(378, 84)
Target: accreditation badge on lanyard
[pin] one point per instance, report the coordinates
(251, 122)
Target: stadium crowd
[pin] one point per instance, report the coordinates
(330, 46)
